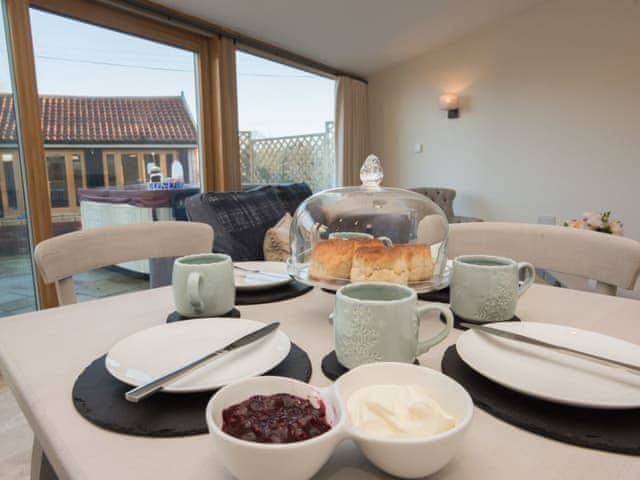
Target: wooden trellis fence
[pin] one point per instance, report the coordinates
(309, 158)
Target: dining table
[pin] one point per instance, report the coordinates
(42, 353)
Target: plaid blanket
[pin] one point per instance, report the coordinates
(239, 219)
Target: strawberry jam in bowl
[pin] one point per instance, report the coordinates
(278, 418)
(274, 427)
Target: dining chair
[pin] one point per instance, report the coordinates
(61, 257)
(610, 260)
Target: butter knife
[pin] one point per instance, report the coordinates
(143, 391)
(280, 276)
(559, 348)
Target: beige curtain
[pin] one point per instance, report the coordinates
(352, 129)
(225, 168)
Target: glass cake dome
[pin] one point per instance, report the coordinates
(358, 215)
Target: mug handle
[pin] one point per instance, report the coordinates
(193, 291)
(386, 241)
(425, 345)
(530, 276)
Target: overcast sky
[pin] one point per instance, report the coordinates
(74, 58)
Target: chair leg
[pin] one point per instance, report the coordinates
(41, 469)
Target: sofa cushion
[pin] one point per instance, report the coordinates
(239, 219)
(290, 194)
(276, 240)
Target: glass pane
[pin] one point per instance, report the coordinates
(78, 177)
(111, 169)
(56, 169)
(119, 100)
(10, 167)
(286, 124)
(17, 289)
(130, 171)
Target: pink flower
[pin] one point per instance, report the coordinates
(594, 221)
(616, 228)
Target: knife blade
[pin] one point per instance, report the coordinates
(143, 391)
(280, 276)
(518, 337)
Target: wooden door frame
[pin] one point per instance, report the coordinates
(17, 179)
(140, 153)
(73, 207)
(30, 133)
(28, 118)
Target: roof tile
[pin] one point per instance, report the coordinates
(106, 120)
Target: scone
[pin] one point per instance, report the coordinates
(332, 259)
(380, 264)
(419, 261)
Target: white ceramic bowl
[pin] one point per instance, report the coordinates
(286, 461)
(412, 457)
(406, 458)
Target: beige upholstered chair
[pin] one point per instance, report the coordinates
(612, 261)
(61, 257)
(444, 197)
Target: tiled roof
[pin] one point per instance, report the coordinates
(106, 120)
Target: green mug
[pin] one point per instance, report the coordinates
(378, 322)
(203, 285)
(486, 288)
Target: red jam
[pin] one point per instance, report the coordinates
(279, 418)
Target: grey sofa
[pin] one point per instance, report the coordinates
(444, 197)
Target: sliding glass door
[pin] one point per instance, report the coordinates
(17, 287)
(120, 130)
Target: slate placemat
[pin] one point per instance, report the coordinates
(457, 320)
(292, 289)
(609, 430)
(333, 369)
(441, 296)
(176, 317)
(99, 398)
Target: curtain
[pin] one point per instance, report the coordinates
(352, 129)
(225, 167)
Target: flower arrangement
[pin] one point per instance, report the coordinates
(598, 222)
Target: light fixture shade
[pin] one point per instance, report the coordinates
(448, 101)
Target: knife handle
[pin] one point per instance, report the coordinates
(136, 394)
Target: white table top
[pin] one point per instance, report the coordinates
(42, 353)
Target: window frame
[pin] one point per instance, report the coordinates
(70, 180)
(32, 147)
(118, 167)
(8, 212)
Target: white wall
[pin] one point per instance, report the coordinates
(550, 123)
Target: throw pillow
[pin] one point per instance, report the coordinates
(276, 241)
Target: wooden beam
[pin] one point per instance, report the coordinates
(104, 15)
(173, 16)
(30, 132)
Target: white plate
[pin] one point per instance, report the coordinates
(149, 353)
(257, 281)
(551, 375)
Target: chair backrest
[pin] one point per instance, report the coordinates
(611, 260)
(61, 257)
(443, 197)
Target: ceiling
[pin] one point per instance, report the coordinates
(357, 36)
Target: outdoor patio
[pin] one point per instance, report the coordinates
(16, 287)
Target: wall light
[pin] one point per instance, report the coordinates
(450, 103)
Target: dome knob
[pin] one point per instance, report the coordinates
(371, 173)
